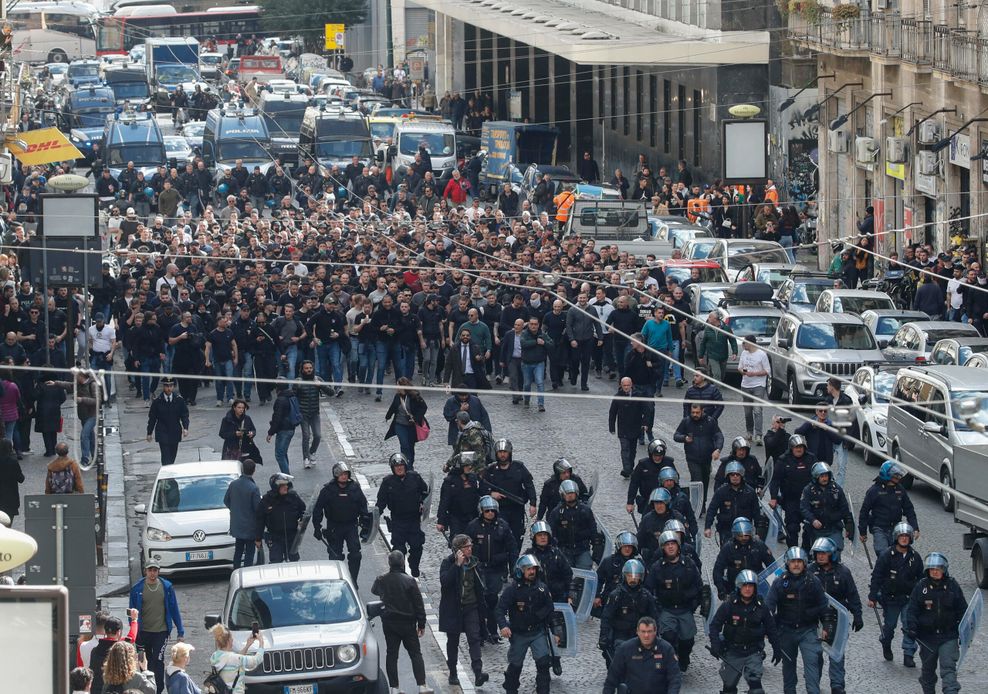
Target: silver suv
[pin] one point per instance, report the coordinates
(319, 632)
(808, 348)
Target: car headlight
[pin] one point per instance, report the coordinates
(346, 654)
(815, 367)
(880, 420)
(157, 535)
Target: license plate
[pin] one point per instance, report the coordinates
(300, 689)
(198, 556)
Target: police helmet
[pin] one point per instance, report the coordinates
(794, 553)
(280, 478)
(901, 529)
(935, 560)
(656, 447)
(635, 568)
(825, 546)
(540, 527)
(561, 466)
(568, 487)
(502, 445)
(464, 460)
(740, 442)
(742, 526)
(819, 470)
(668, 536)
(744, 578)
(339, 468)
(797, 440)
(525, 561)
(890, 469)
(668, 473)
(487, 503)
(660, 494)
(674, 525)
(626, 538)
(734, 468)
(397, 459)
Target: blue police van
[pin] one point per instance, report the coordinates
(236, 133)
(133, 136)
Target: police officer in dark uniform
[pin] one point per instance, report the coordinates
(168, 420)
(344, 505)
(792, 474)
(278, 518)
(653, 523)
(494, 546)
(458, 496)
(626, 604)
(826, 510)
(556, 572)
(574, 526)
(741, 453)
(669, 479)
(644, 664)
(686, 548)
(738, 632)
(884, 505)
(798, 601)
(562, 470)
(839, 584)
(675, 582)
(609, 570)
(933, 615)
(776, 440)
(744, 551)
(730, 501)
(645, 476)
(511, 485)
(403, 491)
(896, 572)
(522, 614)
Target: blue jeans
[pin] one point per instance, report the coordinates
(786, 242)
(88, 438)
(149, 365)
(169, 358)
(406, 357)
(224, 389)
(677, 370)
(367, 356)
(244, 369)
(97, 362)
(282, 440)
(806, 643)
(406, 440)
(386, 353)
(892, 612)
(661, 370)
(287, 366)
(534, 373)
(329, 358)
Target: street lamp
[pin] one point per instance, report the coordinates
(942, 144)
(840, 120)
(815, 108)
(792, 99)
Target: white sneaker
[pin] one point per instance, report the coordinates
(219, 403)
(425, 689)
(306, 463)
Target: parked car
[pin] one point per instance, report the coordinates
(735, 254)
(802, 288)
(884, 322)
(855, 301)
(772, 273)
(698, 248)
(870, 389)
(914, 342)
(682, 270)
(958, 350)
(676, 229)
(193, 132)
(177, 148)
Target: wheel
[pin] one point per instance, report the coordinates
(792, 391)
(946, 498)
(978, 561)
(57, 56)
(869, 457)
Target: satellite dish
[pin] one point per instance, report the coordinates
(16, 548)
(68, 183)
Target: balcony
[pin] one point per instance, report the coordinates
(917, 41)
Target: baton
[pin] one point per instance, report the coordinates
(634, 520)
(871, 564)
(721, 659)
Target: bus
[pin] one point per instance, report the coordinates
(53, 32)
(130, 26)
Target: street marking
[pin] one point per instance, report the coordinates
(340, 433)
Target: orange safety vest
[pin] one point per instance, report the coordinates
(695, 206)
(564, 201)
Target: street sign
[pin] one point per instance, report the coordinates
(335, 36)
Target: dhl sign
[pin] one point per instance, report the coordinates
(44, 146)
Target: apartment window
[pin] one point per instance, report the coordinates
(639, 105)
(626, 86)
(653, 111)
(681, 104)
(614, 89)
(666, 116)
(697, 116)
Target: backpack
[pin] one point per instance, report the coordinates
(62, 481)
(294, 411)
(214, 684)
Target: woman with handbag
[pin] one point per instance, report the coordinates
(230, 666)
(407, 415)
(237, 431)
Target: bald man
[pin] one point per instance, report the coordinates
(627, 420)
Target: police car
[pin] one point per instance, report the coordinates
(234, 133)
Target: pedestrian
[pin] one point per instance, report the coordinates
(733, 500)
(63, 475)
(743, 552)
(704, 392)
(522, 615)
(168, 421)
(221, 355)
(626, 418)
(797, 600)
(458, 496)
(657, 334)
(265, 358)
(776, 439)
(675, 582)
(243, 498)
(177, 679)
(463, 401)
(584, 333)
(792, 474)
(835, 398)
(344, 505)
(588, 169)
(465, 364)
(610, 569)
(102, 346)
(154, 599)
(837, 580)
(187, 341)
(681, 503)
(404, 492)
(10, 399)
(11, 477)
(48, 406)
(307, 393)
(702, 440)
(233, 666)
(495, 547)
(286, 416)
(646, 663)
(897, 570)
(755, 369)
(238, 431)
(573, 526)
(407, 415)
(628, 602)
(403, 620)
(126, 670)
(112, 631)
(535, 349)
(738, 631)
(278, 517)
(933, 615)
(562, 470)
(826, 511)
(509, 482)
(717, 342)
(819, 434)
(80, 680)
(885, 504)
(461, 593)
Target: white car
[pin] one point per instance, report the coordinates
(283, 87)
(870, 389)
(193, 132)
(177, 148)
(186, 525)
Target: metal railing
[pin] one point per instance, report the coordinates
(917, 41)
(941, 47)
(964, 55)
(983, 60)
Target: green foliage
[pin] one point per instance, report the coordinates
(307, 17)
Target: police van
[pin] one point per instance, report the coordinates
(233, 133)
(129, 84)
(133, 136)
(333, 136)
(283, 115)
(83, 115)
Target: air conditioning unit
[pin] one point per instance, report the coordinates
(926, 162)
(837, 141)
(929, 132)
(865, 150)
(895, 150)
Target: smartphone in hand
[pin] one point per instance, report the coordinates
(255, 628)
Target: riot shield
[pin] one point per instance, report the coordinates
(834, 644)
(767, 473)
(970, 623)
(593, 484)
(608, 540)
(369, 526)
(771, 538)
(768, 575)
(303, 523)
(427, 501)
(696, 497)
(568, 645)
(588, 593)
(849, 544)
(714, 606)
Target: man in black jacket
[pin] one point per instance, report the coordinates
(343, 503)
(702, 440)
(462, 590)
(403, 491)
(523, 613)
(627, 420)
(403, 619)
(278, 518)
(168, 420)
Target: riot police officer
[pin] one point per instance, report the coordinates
(644, 664)
(562, 470)
(511, 485)
(574, 526)
(675, 582)
(933, 615)
(797, 600)
(522, 614)
(896, 572)
(741, 453)
(669, 480)
(885, 504)
(344, 505)
(626, 604)
(494, 546)
(609, 570)
(792, 474)
(645, 476)
(654, 521)
(826, 510)
(686, 548)
(839, 584)
(730, 501)
(743, 552)
(403, 492)
(557, 574)
(279, 514)
(738, 632)
(458, 496)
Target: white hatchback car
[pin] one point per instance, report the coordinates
(186, 525)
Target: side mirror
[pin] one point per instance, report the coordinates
(211, 619)
(392, 151)
(379, 156)
(932, 427)
(140, 509)
(375, 608)
(882, 344)
(783, 343)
